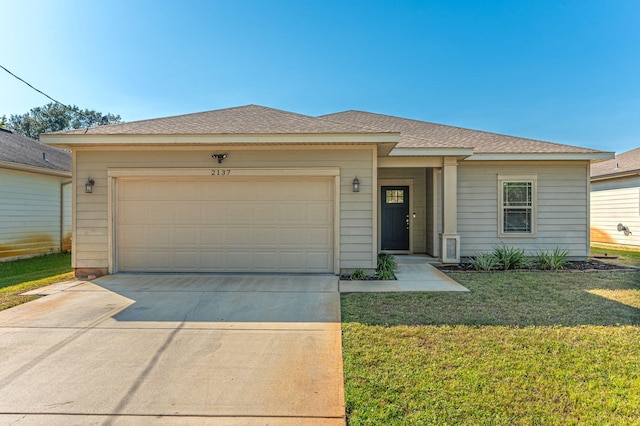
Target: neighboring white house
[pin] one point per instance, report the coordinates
(615, 200)
(256, 189)
(35, 196)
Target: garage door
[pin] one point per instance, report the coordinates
(230, 225)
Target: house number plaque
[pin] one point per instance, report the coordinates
(220, 172)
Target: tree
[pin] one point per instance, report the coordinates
(54, 117)
(4, 122)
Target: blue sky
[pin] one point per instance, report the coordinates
(563, 71)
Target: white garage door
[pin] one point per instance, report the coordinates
(225, 225)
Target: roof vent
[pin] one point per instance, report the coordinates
(44, 157)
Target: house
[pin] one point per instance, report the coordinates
(35, 189)
(615, 200)
(256, 189)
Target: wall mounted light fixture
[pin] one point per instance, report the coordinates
(219, 157)
(88, 187)
(356, 185)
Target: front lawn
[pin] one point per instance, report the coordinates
(519, 348)
(19, 276)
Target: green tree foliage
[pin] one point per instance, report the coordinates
(4, 122)
(54, 117)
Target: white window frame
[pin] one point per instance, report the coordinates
(533, 180)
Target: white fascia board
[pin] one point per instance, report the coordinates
(615, 175)
(34, 169)
(303, 138)
(431, 152)
(540, 156)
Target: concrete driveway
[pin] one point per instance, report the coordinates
(176, 349)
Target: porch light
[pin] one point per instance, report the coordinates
(88, 187)
(356, 185)
(219, 157)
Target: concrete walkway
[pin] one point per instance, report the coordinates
(175, 349)
(415, 273)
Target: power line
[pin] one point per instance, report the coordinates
(37, 90)
(77, 111)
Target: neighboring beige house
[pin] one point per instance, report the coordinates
(256, 189)
(35, 192)
(615, 200)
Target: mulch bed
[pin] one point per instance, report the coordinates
(367, 278)
(573, 266)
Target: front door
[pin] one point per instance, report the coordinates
(395, 218)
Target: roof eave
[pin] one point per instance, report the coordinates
(543, 156)
(72, 140)
(461, 153)
(468, 155)
(618, 175)
(34, 169)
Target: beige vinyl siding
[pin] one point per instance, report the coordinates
(561, 206)
(615, 201)
(66, 216)
(418, 176)
(30, 214)
(431, 189)
(356, 224)
(439, 206)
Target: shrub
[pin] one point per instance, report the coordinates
(555, 260)
(484, 262)
(510, 257)
(387, 267)
(358, 274)
(543, 259)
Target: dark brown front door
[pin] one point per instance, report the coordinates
(394, 218)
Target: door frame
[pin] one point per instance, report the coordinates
(395, 182)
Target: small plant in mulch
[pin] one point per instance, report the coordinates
(386, 270)
(510, 258)
(358, 274)
(554, 260)
(387, 267)
(484, 262)
(504, 258)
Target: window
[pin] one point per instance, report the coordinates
(395, 196)
(517, 205)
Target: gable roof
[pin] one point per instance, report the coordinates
(422, 134)
(249, 119)
(627, 162)
(21, 150)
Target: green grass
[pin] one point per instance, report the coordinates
(19, 276)
(625, 257)
(519, 348)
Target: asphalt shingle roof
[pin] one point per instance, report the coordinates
(249, 119)
(422, 134)
(623, 163)
(15, 148)
(255, 119)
